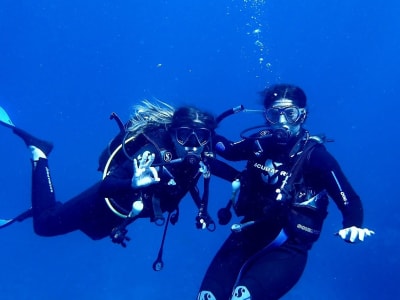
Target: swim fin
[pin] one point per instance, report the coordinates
(7, 222)
(5, 119)
(28, 139)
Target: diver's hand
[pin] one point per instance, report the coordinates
(354, 234)
(143, 173)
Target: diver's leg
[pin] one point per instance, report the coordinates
(272, 274)
(43, 198)
(86, 212)
(223, 270)
(46, 221)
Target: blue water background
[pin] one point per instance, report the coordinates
(66, 65)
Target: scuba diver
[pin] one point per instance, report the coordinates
(158, 157)
(283, 195)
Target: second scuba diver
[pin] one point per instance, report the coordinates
(283, 199)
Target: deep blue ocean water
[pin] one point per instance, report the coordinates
(66, 65)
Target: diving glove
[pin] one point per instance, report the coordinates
(143, 173)
(354, 234)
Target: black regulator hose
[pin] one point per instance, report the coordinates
(224, 214)
(229, 112)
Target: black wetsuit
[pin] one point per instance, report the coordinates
(88, 211)
(270, 272)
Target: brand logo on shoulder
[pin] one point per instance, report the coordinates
(167, 156)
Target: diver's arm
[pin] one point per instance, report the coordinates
(233, 151)
(118, 181)
(223, 170)
(131, 175)
(332, 178)
(340, 190)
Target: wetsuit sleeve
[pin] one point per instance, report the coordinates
(233, 151)
(223, 170)
(119, 181)
(331, 178)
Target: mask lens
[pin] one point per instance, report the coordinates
(292, 114)
(272, 115)
(203, 135)
(184, 134)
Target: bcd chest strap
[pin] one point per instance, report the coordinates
(300, 153)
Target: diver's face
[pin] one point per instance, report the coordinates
(285, 118)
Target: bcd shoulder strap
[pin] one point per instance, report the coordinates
(300, 157)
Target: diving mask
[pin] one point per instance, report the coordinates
(192, 137)
(292, 114)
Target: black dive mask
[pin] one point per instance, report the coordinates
(192, 137)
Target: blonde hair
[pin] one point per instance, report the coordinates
(148, 115)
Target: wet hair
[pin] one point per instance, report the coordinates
(153, 115)
(192, 116)
(284, 91)
(150, 115)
